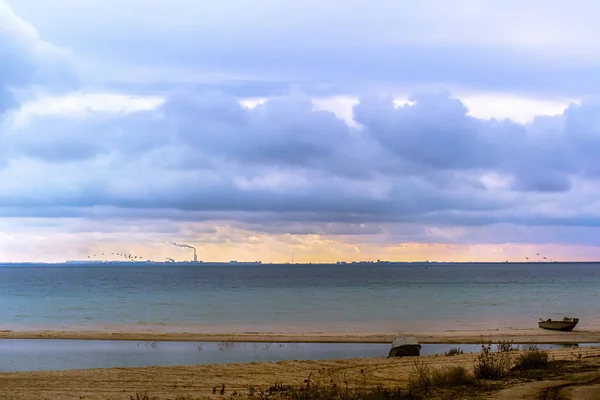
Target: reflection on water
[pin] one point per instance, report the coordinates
(47, 354)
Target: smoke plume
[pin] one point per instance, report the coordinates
(187, 246)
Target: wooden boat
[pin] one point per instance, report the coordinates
(405, 346)
(566, 325)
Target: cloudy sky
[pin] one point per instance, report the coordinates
(400, 130)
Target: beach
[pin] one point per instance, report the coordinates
(167, 331)
(163, 383)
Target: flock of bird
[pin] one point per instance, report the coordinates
(132, 257)
(543, 258)
(126, 256)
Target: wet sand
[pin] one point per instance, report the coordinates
(537, 336)
(198, 381)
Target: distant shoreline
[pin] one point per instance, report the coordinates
(261, 263)
(534, 336)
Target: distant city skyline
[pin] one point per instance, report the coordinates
(462, 131)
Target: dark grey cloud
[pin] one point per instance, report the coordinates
(64, 140)
(204, 153)
(435, 131)
(280, 132)
(515, 233)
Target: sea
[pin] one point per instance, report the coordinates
(290, 298)
(296, 298)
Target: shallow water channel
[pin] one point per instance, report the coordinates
(51, 354)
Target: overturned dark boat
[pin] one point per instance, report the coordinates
(405, 346)
(565, 325)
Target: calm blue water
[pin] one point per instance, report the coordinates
(48, 354)
(297, 297)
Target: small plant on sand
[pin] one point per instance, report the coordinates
(326, 387)
(421, 379)
(424, 380)
(505, 346)
(138, 397)
(532, 358)
(455, 351)
(335, 392)
(454, 376)
(577, 356)
(492, 364)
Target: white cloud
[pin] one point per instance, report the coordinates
(495, 181)
(81, 105)
(251, 103)
(341, 106)
(521, 109)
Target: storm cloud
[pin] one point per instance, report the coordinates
(206, 152)
(421, 170)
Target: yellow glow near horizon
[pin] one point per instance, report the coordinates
(41, 240)
(229, 244)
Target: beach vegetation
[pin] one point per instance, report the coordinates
(424, 383)
(425, 380)
(532, 358)
(332, 390)
(493, 364)
(139, 397)
(505, 346)
(453, 376)
(455, 351)
(494, 367)
(577, 356)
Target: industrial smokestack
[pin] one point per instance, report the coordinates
(186, 246)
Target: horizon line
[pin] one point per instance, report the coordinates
(259, 263)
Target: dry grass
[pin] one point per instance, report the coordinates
(532, 359)
(493, 364)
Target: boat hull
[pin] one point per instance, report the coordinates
(411, 350)
(405, 346)
(562, 326)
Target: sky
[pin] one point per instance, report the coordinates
(254, 130)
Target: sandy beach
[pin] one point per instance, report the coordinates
(198, 381)
(537, 336)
